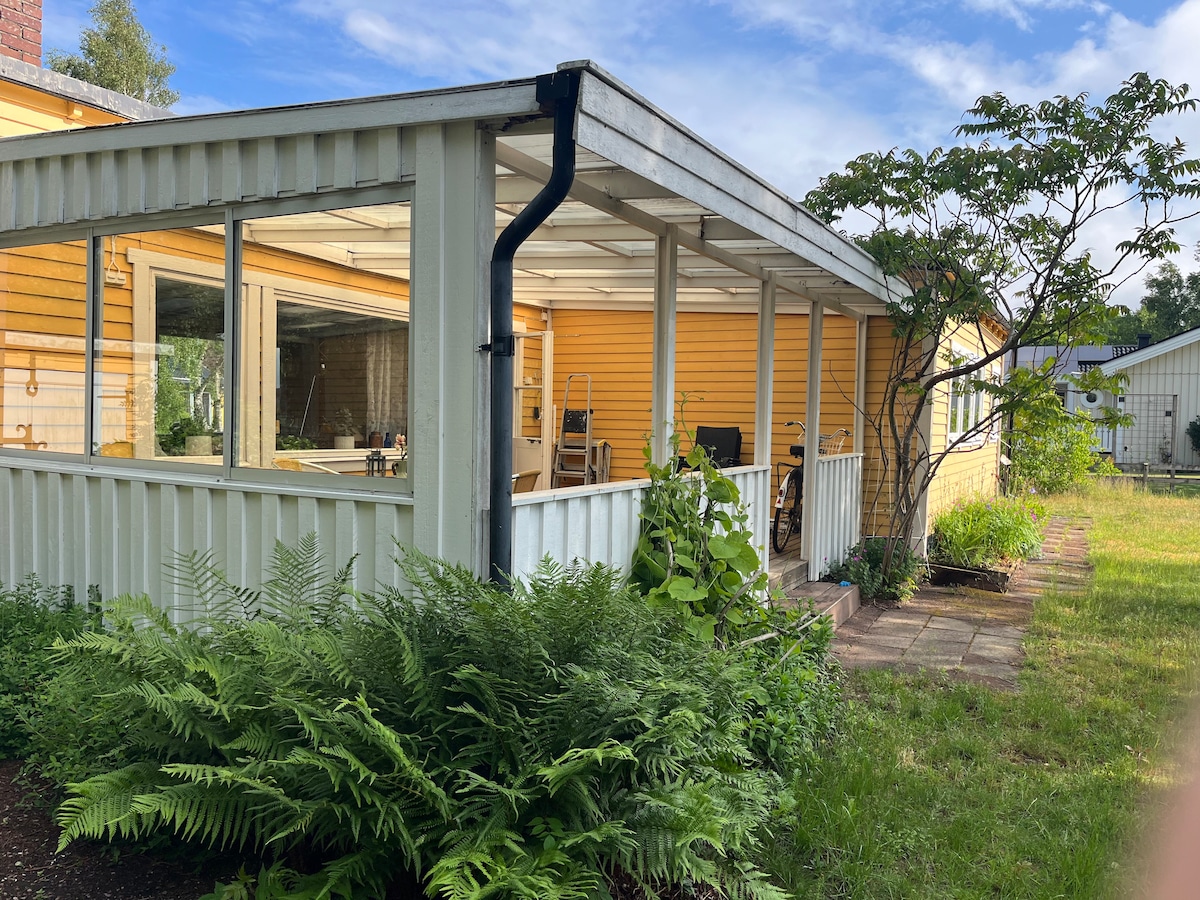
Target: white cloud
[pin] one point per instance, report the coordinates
(198, 104)
(462, 40)
(1019, 11)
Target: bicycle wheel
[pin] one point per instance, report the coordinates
(787, 517)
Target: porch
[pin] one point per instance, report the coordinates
(321, 273)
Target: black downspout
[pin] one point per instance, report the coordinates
(558, 92)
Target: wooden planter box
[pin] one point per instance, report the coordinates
(995, 580)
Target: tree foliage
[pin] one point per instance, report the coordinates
(118, 53)
(989, 236)
(1170, 305)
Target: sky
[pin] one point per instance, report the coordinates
(792, 89)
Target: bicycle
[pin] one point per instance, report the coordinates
(789, 501)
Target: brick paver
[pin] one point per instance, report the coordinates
(974, 635)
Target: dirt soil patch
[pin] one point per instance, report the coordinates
(30, 869)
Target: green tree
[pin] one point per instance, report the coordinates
(118, 53)
(1171, 305)
(992, 232)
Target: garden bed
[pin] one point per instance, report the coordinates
(994, 579)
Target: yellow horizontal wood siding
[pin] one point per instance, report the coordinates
(27, 110)
(970, 471)
(42, 307)
(715, 365)
(42, 292)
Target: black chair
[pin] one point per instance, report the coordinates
(724, 445)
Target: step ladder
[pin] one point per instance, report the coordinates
(574, 461)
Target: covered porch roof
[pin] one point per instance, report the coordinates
(639, 174)
(422, 182)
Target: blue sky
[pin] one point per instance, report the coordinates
(790, 88)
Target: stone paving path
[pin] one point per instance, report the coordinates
(972, 634)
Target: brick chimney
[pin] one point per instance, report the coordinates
(21, 30)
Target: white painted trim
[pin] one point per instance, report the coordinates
(298, 290)
(662, 391)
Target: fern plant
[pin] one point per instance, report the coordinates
(526, 745)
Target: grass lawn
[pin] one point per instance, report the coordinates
(935, 789)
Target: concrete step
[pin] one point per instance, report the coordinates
(837, 601)
(787, 573)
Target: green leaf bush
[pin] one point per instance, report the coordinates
(483, 744)
(695, 555)
(1054, 457)
(31, 618)
(986, 532)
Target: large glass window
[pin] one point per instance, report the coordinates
(326, 342)
(43, 309)
(160, 378)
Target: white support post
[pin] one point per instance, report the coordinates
(765, 386)
(452, 235)
(812, 425)
(662, 403)
(860, 381)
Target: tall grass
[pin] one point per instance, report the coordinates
(937, 789)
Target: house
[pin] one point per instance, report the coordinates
(429, 266)
(1162, 395)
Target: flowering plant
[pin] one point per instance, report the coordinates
(864, 567)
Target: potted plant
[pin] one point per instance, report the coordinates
(343, 429)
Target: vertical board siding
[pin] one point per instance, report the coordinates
(837, 516)
(121, 533)
(1176, 372)
(82, 187)
(715, 366)
(600, 524)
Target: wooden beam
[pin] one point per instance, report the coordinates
(765, 384)
(812, 434)
(662, 391)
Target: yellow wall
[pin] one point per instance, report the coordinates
(715, 365)
(26, 110)
(964, 473)
(42, 293)
(974, 470)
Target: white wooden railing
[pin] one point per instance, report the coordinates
(837, 510)
(120, 528)
(599, 523)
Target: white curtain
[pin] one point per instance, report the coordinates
(387, 381)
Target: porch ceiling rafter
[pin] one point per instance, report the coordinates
(523, 164)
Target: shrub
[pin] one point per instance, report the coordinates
(695, 554)
(864, 567)
(31, 618)
(1056, 458)
(522, 745)
(1193, 433)
(982, 533)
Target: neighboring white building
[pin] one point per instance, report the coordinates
(1163, 396)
